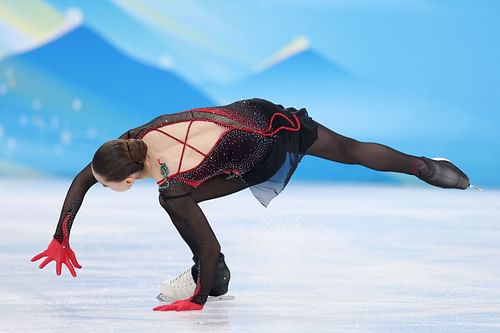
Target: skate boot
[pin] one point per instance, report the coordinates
(221, 280)
(443, 173)
(183, 286)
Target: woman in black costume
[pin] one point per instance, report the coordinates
(206, 153)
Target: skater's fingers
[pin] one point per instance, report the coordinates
(58, 267)
(73, 260)
(45, 262)
(70, 267)
(38, 256)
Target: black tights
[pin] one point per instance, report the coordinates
(338, 148)
(193, 226)
(334, 147)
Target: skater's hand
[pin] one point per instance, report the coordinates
(180, 305)
(62, 254)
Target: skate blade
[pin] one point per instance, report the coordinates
(220, 298)
(163, 298)
(474, 187)
(440, 159)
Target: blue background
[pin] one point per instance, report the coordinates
(420, 76)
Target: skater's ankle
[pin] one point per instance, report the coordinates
(423, 168)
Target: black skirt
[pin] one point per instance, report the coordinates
(271, 176)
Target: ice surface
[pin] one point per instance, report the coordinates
(320, 258)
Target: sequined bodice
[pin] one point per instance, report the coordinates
(180, 147)
(246, 139)
(235, 153)
(194, 151)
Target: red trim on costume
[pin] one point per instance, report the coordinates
(65, 240)
(230, 116)
(180, 141)
(207, 154)
(184, 146)
(292, 129)
(194, 183)
(268, 132)
(222, 112)
(198, 286)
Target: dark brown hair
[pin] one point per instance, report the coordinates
(117, 159)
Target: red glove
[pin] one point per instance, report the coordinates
(62, 254)
(180, 305)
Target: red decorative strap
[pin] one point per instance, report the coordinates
(65, 229)
(294, 126)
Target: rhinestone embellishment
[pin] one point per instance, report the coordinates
(164, 183)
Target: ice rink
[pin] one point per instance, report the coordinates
(320, 258)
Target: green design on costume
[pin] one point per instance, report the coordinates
(164, 183)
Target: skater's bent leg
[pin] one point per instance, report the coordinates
(218, 186)
(336, 147)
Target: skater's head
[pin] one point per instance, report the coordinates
(117, 163)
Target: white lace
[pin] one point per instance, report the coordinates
(180, 287)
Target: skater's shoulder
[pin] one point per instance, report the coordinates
(158, 121)
(256, 103)
(257, 100)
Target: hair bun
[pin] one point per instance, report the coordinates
(137, 150)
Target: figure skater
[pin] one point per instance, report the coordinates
(205, 153)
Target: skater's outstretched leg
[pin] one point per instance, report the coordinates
(336, 147)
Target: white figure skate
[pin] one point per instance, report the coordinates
(181, 287)
(184, 285)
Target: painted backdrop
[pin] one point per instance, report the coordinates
(422, 76)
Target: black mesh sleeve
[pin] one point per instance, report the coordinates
(83, 181)
(74, 198)
(194, 228)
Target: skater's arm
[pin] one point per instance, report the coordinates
(74, 198)
(194, 228)
(59, 249)
(82, 182)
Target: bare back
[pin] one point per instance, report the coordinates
(182, 145)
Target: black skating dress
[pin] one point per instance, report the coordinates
(262, 145)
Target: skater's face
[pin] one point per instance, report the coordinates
(120, 186)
